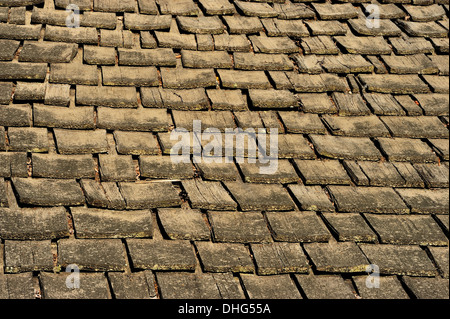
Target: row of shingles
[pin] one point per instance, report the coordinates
(347, 126)
(209, 120)
(204, 283)
(338, 98)
(174, 285)
(327, 10)
(363, 173)
(75, 146)
(174, 261)
(136, 22)
(292, 261)
(208, 254)
(13, 15)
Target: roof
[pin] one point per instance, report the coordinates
(88, 103)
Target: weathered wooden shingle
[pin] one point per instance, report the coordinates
(407, 230)
(400, 259)
(337, 257)
(54, 286)
(161, 255)
(92, 254)
(297, 227)
(48, 192)
(279, 258)
(208, 195)
(25, 256)
(33, 223)
(148, 195)
(361, 148)
(260, 197)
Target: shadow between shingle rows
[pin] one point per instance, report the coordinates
(85, 120)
